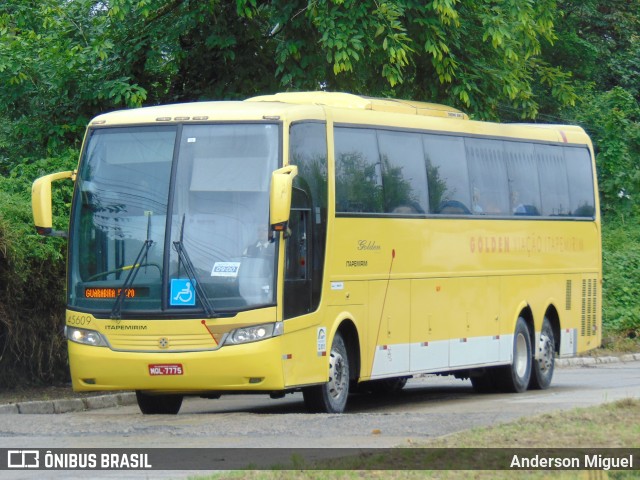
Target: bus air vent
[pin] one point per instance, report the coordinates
(589, 304)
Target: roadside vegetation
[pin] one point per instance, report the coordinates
(62, 62)
(612, 425)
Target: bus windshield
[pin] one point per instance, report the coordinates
(174, 218)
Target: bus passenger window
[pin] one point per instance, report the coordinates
(404, 178)
(580, 182)
(522, 170)
(447, 173)
(358, 171)
(554, 187)
(488, 177)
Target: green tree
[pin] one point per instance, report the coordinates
(58, 65)
(32, 347)
(476, 54)
(61, 61)
(599, 41)
(613, 121)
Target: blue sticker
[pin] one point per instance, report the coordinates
(183, 293)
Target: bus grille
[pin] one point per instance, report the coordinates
(567, 305)
(589, 306)
(160, 343)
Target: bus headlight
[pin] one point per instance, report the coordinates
(85, 337)
(254, 333)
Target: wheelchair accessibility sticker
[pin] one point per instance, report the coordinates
(183, 293)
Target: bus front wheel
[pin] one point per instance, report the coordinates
(158, 404)
(515, 377)
(331, 397)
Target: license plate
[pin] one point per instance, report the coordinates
(166, 369)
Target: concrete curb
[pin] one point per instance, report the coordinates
(65, 405)
(586, 361)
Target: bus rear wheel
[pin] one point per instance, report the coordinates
(543, 367)
(515, 377)
(331, 397)
(158, 404)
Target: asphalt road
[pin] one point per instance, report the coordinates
(428, 407)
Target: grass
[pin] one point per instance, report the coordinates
(612, 425)
(618, 343)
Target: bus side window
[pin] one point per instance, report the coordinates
(522, 172)
(554, 186)
(488, 176)
(447, 174)
(358, 171)
(404, 178)
(580, 182)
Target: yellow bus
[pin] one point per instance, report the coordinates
(325, 243)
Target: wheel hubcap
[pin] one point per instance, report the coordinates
(545, 359)
(336, 375)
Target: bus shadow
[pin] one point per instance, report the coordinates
(423, 394)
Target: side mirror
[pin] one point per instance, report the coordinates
(41, 202)
(280, 197)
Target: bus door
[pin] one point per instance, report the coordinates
(297, 279)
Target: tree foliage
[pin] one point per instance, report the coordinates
(621, 258)
(599, 42)
(474, 54)
(613, 121)
(62, 61)
(32, 279)
(58, 65)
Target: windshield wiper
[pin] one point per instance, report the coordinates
(116, 311)
(193, 275)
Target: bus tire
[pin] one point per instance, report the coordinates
(542, 373)
(515, 377)
(331, 397)
(158, 404)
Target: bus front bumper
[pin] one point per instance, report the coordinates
(250, 367)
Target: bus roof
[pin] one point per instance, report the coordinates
(349, 100)
(201, 112)
(347, 108)
(280, 103)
